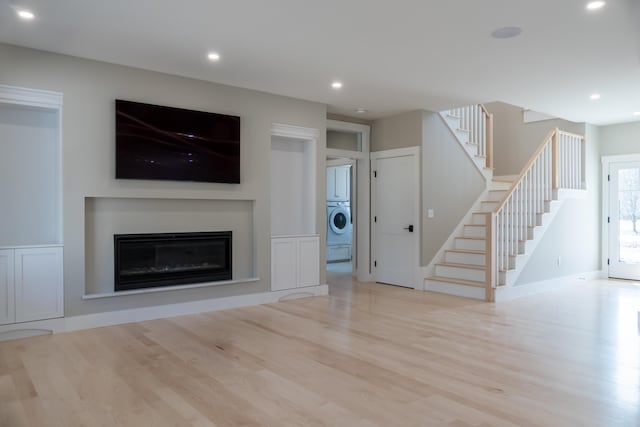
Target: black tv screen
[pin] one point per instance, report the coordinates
(156, 142)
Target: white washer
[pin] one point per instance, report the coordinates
(339, 227)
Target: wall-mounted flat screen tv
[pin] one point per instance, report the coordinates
(165, 143)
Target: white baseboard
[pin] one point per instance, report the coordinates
(97, 320)
(505, 293)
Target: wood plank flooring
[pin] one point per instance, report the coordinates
(366, 355)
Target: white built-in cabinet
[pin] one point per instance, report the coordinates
(7, 287)
(31, 249)
(294, 262)
(338, 183)
(31, 286)
(295, 244)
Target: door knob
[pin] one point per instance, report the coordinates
(410, 228)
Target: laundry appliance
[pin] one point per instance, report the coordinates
(339, 231)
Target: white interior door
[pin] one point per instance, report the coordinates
(395, 221)
(624, 220)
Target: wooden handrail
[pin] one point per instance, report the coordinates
(532, 159)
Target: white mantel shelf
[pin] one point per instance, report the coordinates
(168, 288)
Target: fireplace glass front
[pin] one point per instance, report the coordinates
(170, 259)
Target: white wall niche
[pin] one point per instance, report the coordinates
(30, 161)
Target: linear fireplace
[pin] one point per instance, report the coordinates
(169, 259)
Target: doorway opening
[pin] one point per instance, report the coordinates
(347, 202)
(339, 215)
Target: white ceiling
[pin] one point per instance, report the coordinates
(392, 56)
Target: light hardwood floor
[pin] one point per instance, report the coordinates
(367, 355)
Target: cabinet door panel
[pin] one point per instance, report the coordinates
(283, 264)
(308, 264)
(7, 298)
(39, 284)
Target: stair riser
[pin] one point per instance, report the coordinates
(496, 196)
(460, 273)
(495, 185)
(473, 245)
(454, 289)
(488, 206)
(478, 219)
(462, 136)
(472, 231)
(463, 258)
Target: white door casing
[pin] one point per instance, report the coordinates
(623, 204)
(360, 195)
(396, 225)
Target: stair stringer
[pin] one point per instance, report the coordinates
(453, 123)
(509, 278)
(430, 269)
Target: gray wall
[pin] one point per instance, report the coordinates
(515, 141)
(620, 139)
(574, 235)
(89, 89)
(401, 131)
(450, 184)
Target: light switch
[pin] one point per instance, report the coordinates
(430, 213)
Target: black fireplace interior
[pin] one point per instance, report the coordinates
(170, 259)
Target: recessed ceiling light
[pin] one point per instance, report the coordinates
(27, 15)
(213, 56)
(506, 32)
(595, 96)
(336, 85)
(637, 113)
(595, 5)
(361, 111)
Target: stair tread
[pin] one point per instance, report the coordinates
(463, 130)
(453, 116)
(470, 238)
(459, 265)
(457, 281)
(475, 225)
(466, 251)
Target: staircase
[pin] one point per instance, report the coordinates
(496, 238)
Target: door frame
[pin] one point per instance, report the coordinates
(413, 152)
(361, 212)
(606, 165)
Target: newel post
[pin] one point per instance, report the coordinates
(489, 129)
(490, 256)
